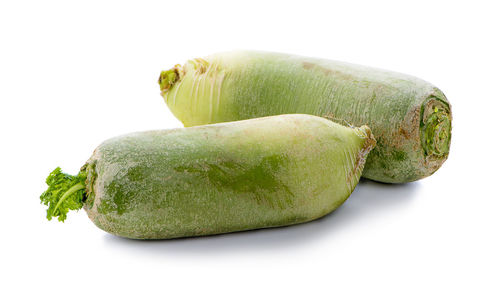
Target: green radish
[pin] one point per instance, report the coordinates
(220, 178)
(410, 118)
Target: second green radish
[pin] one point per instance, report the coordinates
(410, 118)
(219, 178)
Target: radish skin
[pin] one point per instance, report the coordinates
(410, 118)
(235, 176)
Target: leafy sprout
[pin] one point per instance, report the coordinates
(65, 192)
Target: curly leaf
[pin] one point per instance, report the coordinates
(65, 192)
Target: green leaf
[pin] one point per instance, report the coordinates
(65, 192)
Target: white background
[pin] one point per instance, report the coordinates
(73, 74)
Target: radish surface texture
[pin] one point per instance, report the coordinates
(211, 179)
(410, 118)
